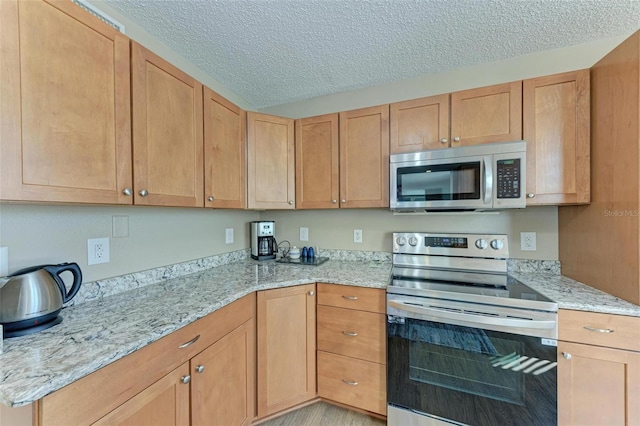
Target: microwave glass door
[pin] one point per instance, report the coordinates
(441, 182)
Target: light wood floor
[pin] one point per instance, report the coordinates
(322, 413)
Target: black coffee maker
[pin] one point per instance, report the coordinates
(263, 242)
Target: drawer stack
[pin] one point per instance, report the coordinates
(352, 346)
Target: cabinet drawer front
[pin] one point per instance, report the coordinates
(353, 382)
(614, 331)
(352, 333)
(346, 296)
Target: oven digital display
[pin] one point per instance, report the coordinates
(445, 242)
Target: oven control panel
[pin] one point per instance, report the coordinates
(470, 245)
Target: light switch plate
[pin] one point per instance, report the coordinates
(228, 236)
(4, 261)
(304, 233)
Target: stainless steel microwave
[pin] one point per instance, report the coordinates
(478, 177)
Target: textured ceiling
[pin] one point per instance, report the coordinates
(273, 52)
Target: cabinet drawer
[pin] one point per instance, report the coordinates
(587, 327)
(353, 382)
(346, 296)
(357, 334)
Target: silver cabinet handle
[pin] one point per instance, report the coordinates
(334, 201)
(144, 193)
(444, 140)
(189, 343)
(350, 382)
(127, 191)
(566, 355)
(350, 333)
(531, 195)
(350, 297)
(200, 368)
(456, 139)
(185, 379)
(210, 198)
(311, 293)
(343, 201)
(291, 202)
(598, 330)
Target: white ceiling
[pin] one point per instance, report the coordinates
(273, 52)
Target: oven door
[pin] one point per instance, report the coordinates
(468, 375)
(462, 183)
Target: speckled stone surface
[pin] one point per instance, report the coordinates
(533, 266)
(96, 333)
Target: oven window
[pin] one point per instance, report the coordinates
(471, 375)
(456, 181)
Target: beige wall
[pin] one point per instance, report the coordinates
(333, 229)
(38, 234)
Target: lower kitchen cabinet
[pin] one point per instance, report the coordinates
(598, 369)
(286, 325)
(200, 374)
(352, 346)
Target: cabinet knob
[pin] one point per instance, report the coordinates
(311, 293)
(127, 191)
(291, 202)
(456, 139)
(444, 140)
(144, 193)
(334, 201)
(531, 195)
(350, 382)
(185, 379)
(343, 201)
(200, 368)
(210, 198)
(566, 355)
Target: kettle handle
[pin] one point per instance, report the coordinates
(56, 270)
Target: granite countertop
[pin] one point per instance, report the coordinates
(96, 333)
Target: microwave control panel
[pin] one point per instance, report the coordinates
(508, 178)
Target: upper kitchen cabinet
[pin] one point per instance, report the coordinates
(364, 157)
(317, 166)
(556, 125)
(224, 152)
(270, 162)
(167, 133)
(65, 132)
(420, 124)
(487, 114)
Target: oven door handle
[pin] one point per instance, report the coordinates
(470, 318)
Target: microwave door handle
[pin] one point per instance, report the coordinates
(488, 180)
(470, 318)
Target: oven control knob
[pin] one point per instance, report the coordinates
(401, 241)
(481, 244)
(497, 244)
(413, 241)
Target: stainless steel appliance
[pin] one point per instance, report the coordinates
(466, 343)
(479, 177)
(263, 242)
(31, 299)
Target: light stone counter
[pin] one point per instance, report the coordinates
(107, 327)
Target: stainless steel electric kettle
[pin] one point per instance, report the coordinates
(31, 298)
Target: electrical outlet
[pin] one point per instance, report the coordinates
(97, 251)
(228, 236)
(528, 241)
(304, 234)
(357, 236)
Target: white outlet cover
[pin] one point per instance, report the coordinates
(357, 236)
(97, 251)
(228, 236)
(528, 241)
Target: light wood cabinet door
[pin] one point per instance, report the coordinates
(166, 402)
(597, 385)
(223, 385)
(556, 126)
(364, 157)
(270, 162)
(317, 166)
(487, 114)
(167, 133)
(286, 319)
(420, 124)
(65, 129)
(224, 152)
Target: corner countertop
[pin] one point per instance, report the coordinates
(97, 333)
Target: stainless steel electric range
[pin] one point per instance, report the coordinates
(466, 343)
